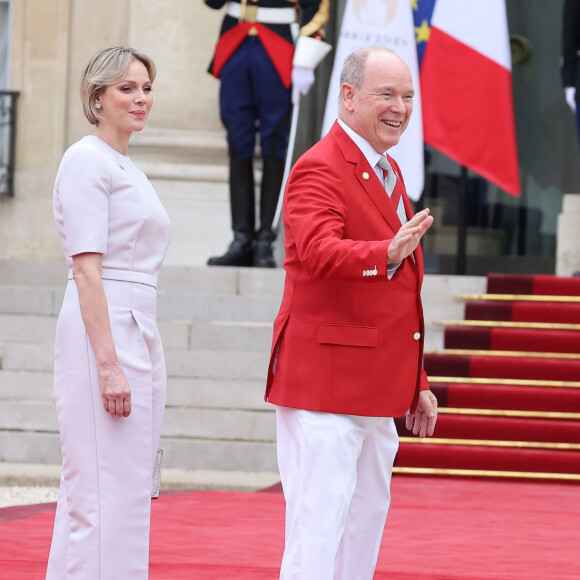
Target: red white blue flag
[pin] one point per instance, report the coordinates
(466, 85)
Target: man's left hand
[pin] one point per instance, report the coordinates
(423, 420)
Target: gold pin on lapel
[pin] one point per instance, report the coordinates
(365, 175)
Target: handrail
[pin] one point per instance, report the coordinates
(8, 112)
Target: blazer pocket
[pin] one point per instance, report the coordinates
(346, 335)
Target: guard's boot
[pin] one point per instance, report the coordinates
(263, 257)
(272, 174)
(241, 250)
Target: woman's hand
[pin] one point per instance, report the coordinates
(115, 390)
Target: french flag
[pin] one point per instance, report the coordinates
(466, 87)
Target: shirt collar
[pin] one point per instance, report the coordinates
(370, 153)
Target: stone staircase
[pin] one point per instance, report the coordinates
(216, 328)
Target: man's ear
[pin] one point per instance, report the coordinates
(348, 92)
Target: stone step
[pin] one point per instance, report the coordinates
(219, 307)
(33, 273)
(235, 364)
(44, 448)
(215, 335)
(193, 148)
(184, 292)
(30, 328)
(181, 392)
(34, 475)
(29, 447)
(25, 385)
(174, 305)
(220, 455)
(216, 393)
(187, 172)
(16, 299)
(25, 356)
(219, 424)
(227, 336)
(222, 280)
(30, 415)
(219, 335)
(52, 275)
(194, 193)
(179, 422)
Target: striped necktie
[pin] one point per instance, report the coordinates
(390, 180)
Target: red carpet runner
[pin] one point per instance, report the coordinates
(438, 529)
(508, 385)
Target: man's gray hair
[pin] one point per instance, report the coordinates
(353, 69)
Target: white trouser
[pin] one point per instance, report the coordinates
(336, 474)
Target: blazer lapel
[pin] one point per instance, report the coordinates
(366, 176)
(375, 190)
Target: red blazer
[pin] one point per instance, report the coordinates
(347, 339)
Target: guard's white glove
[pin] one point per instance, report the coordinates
(571, 97)
(302, 80)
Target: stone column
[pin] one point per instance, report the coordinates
(93, 25)
(39, 53)
(180, 35)
(51, 40)
(568, 244)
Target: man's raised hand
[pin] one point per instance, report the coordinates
(408, 237)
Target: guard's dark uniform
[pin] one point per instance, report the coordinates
(253, 60)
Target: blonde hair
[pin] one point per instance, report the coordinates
(107, 67)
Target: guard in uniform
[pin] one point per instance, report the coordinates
(255, 60)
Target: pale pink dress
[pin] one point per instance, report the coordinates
(104, 204)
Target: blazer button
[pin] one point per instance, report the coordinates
(365, 175)
(417, 336)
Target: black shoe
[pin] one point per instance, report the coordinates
(240, 253)
(263, 257)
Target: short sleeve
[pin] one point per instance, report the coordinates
(82, 188)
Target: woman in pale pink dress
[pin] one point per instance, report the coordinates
(109, 367)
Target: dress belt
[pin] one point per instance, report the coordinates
(125, 276)
(262, 15)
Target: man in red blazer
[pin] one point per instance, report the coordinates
(348, 340)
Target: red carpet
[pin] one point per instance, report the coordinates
(438, 529)
(502, 367)
(514, 413)
(488, 459)
(533, 284)
(523, 311)
(518, 339)
(506, 429)
(505, 397)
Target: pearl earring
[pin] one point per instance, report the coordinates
(97, 105)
